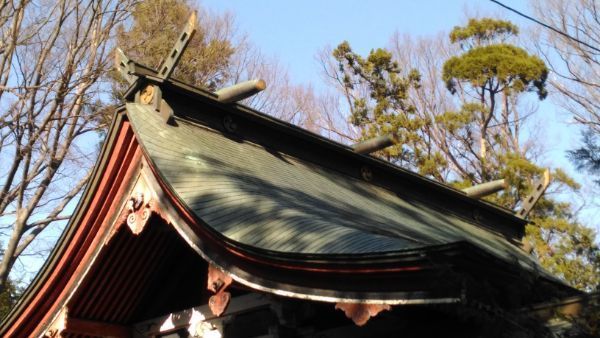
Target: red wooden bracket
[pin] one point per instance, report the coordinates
(218, 302)
(217, 282)
(360, 313)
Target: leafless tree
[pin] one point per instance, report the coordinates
(284, 99)
(432, 99)
(53, 56)
(575, 66)
(575, 75)
(337, 104)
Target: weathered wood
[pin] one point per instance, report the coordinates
(137, 69)
(375, 144)
(538, 190)
(122, 66)
(484, 189)
(166, 112)
(240, 91)
(168, 65)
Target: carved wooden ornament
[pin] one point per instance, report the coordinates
(137, 211)
(217, 282)
(361, 313)
(147, 94)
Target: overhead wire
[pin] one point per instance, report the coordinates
(546, 25)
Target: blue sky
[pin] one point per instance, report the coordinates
(295, 31)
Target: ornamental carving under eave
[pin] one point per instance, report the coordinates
(138, 209)
(217, 282)
(360, 313)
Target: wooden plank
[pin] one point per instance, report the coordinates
(166, 69)
(240, 91)
(122, 66)
(572, 307)
(538, 190)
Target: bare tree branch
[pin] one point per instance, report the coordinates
(53, 55)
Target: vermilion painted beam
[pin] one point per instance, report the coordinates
(83, 244)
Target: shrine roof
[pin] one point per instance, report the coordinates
(279, 209)
(271, 187)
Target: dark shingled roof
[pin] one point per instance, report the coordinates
(280, 203)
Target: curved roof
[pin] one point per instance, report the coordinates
(267, 200)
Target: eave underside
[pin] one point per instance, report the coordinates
(156, 273)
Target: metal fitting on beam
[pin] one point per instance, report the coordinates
(240, 91)
(484, 189)
(375, 144)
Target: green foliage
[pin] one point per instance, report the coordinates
(455, 121)
(587, 157)
(495, 71)
(491, 72)
(563, 246)
(429, 164)
(497, 68)
(567, 249)
(479, 31)
(489, 63)
(481, 139)
(155, 28)
(8, 298)
(385, 107)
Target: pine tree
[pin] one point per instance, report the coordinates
(377, 91)
(482, 137)
(155, 27)
(587, 156)
(8, 297)
(497, 74)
